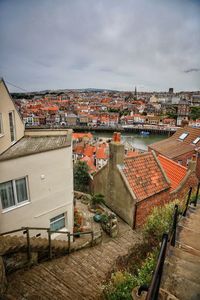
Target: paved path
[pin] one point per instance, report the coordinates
(181, 276)
(76, 276)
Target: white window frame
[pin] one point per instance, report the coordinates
(1, 125)
(17, 204)
(57, 220)
(14, 127)
(196, 140)
(183, 136)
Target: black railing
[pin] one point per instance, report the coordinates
(167, 240)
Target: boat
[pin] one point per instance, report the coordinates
(144, 133)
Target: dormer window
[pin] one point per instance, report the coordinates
(196, 140)
(183, 136)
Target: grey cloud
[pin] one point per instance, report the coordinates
(106, 44)
(192, 70)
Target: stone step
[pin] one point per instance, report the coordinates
(181, 276)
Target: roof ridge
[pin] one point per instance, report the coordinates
(139, 154)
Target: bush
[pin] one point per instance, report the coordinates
(97, 199)
(120, 286)
(159, 222)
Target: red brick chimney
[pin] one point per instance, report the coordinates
(116, 149)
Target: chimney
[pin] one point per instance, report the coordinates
(193, 163)
(116, 150)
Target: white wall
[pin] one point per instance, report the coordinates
(7, 105)
(49, 197)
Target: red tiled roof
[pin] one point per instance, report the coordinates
(89, 150)
(101, 153)
(81, 135)
(144, 175)
(174, 171)
(131, 153)
(90, 164)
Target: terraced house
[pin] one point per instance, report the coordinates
(36, 174)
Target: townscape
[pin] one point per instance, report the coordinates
(99, 150)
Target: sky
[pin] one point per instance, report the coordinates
(108, 44)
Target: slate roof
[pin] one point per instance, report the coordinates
(144, 175)
(29, 145)
(174, 171)
(174, 147)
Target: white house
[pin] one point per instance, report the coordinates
(36, 173)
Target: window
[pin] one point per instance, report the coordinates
(1, 125)
(183, 136)
(196, 140)
(12, 126)
(13, 192)
(57, 222)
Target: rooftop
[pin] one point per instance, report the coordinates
(144, 175)
(33, 144)
(181, 142)
(174, 171)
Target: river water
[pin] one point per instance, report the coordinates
(136, 140)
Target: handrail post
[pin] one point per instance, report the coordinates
(69, 241)
(28, 244)
(49, 239)
(173, 240)
(197, 194)
(187, 203)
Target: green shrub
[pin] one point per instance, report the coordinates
(97, 199)
(159, 222)
(120, 286)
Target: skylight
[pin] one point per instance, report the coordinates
(196, 140)
(183, 136)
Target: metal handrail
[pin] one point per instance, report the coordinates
(26, 230)
(155, 282)
(168, 239)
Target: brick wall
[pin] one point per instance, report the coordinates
(182, 192)
(145, 207)
(184, 158)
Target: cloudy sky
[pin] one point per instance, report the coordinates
(114, 44)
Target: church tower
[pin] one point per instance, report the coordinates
(135, 94)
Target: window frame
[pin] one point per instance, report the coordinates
(14, 127)
(196, 140)
(55, 221)
(184, 134)
(16, 203)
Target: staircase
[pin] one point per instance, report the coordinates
(181, 278)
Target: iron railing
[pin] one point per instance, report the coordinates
(167, 240)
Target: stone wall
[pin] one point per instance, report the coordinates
(108, 181)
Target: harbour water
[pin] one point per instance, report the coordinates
(136, 140)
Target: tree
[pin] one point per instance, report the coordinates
(81, 176)
(195, 112)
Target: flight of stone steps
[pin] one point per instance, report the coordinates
(78, 276)
(181, 278)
